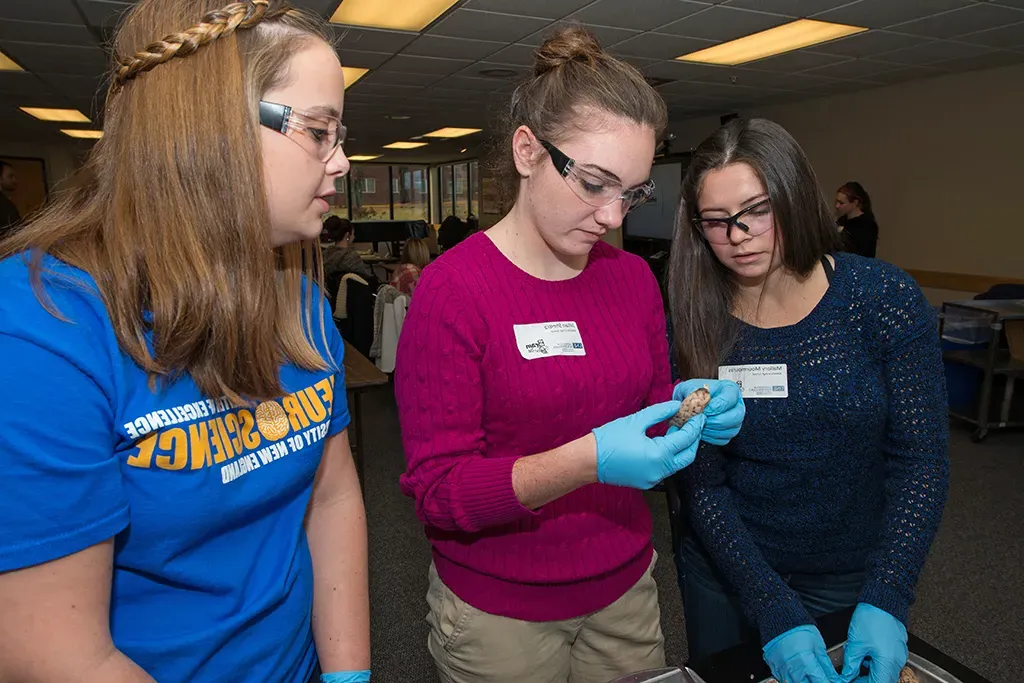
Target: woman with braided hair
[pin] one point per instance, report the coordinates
(188, 509)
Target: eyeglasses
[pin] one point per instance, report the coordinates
(319, 134)
(758, 221)
(594, 190)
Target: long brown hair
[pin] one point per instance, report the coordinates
(570, 72)
(701, 290)
(169, 214)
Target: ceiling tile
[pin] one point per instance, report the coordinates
(372, 40)
(720, 90)
(606, 35)
(643, 15)
(959, 21)
(507, 28)
(1005, 37)
(763, 79)
(1019, 4)
(425, 65)
(638, 62)
(661, 46)
(870, 43)
(798, 60)
(87, 87)
(470, 83)
(452, 48)
(384, 90)
(519, 55)
(65, 59)
(45, 32)
(103, 13)
(989, 60)
(855, 68)
(20, 84)
(722, 23)
(547, 9)
(929, 53)
(398, 78)
(61, 11)
(910, 73)
(364, 60)
(790, 8)
(473, 71)
(885, 13)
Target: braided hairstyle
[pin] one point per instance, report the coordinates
(169, 215)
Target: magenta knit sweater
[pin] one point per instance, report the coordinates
(470, 404)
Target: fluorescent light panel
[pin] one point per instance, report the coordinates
(775, 41)
(364, 157)
(353, 74)
(68, 115)
(451, 132)
(8, 64)
(84, 134)
(399, 15)
(405, 145)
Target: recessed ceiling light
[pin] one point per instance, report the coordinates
(451, 132)
(44, 114)
(84, 134)
(401, 15)
(8, 64)
(395, 117)
(497, 73)
(352, 74)
(774, 41)
(364, 157)
(463, 150)
(405, 145)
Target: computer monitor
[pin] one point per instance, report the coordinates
(656, 219)
(392, 232)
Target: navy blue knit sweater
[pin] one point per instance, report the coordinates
(850, 473)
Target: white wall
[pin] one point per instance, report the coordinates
(61, 160)
(943, 161)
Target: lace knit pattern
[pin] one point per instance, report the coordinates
(848, 473)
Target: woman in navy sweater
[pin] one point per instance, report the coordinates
(831, 494)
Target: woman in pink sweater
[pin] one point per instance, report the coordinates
(531, 366)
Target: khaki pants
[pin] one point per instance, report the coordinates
(471, 646)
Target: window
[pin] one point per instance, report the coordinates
(474, 188)
(339, 202)
(461, 175)
(369, 204)
(446, 192)
(409, 193)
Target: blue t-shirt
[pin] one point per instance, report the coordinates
(212, 573)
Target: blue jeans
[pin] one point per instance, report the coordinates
(714, 617)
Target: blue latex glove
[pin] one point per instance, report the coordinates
(626, 456)
(724, 412)
(878, 636)
(346, 677)
(798, 656)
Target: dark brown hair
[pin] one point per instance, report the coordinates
(169, 214)
(855, 192)
(572, 72)
(700, 288)
(338, 228)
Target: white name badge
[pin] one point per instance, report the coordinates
(540, 340)
(758, 381)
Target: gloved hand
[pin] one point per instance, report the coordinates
(798, 656)
(878, 635)
(346, 677)
(724, 411)
(626, 456)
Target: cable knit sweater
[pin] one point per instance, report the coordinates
(850, 473)
(470, 405)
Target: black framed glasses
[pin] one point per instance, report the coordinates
(319, 134)
(758, 220)
(593, 189)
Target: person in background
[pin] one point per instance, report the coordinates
(531, 365)
(415, 257)
(831, 495)
(9, 215)
(191, 512)
(856, 220)
(451, 231)
(339, 257)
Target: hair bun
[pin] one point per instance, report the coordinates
(567, 45)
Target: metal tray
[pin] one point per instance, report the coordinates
(925, 670)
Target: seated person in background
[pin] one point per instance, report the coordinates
(415, 256)
(340, 258)
(452, 231)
